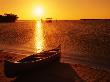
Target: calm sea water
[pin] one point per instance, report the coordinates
(81, 42)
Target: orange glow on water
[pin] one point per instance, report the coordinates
(39, 38)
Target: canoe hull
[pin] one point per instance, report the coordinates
(12, 69)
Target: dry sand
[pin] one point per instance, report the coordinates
(61, 72)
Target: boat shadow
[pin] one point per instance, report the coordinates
(59, 72)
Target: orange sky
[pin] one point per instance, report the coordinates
(57, 9)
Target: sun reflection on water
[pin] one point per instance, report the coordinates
(39, 38)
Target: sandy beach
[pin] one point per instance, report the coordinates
(60, 72)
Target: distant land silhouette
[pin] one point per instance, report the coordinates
(8, 18)
(95, 19)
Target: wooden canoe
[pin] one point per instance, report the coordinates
(34, 61)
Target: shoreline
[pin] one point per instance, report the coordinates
(62, 72)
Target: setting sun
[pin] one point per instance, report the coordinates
(38, 12)
(57, 9)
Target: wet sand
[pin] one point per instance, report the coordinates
(89, 74)
(60, 72)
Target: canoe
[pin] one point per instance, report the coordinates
(35, 61)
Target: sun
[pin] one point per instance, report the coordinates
(38, 12)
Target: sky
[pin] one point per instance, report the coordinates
(57, 9)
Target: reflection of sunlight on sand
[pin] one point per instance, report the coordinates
(39, 39)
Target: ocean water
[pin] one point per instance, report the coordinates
(85, 42)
